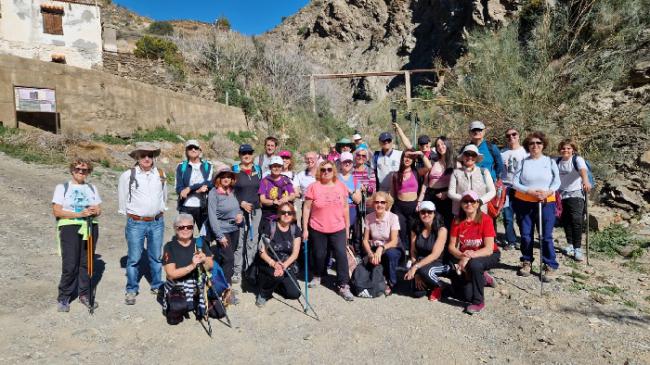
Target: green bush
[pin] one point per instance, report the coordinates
(157, 48)
(161, 28)
(222, 23)
(613, 238)
(241, 137)
(303, 30)
(158, 134)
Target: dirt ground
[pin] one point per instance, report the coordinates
(591, 315)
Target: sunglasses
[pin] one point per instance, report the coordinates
(387, 141)
(246, 153)
(193, 148)
(81, 171)
(539, 143)
(476, 130)
(380, 202)
(362, 155)
(276, 165)
(426, 212)
(511, 134)
(286, 158)
(326, 169)
(346, 162)
(286, 212)
(185, 228)
(468, 201)
(146, 155)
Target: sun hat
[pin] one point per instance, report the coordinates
(192, 142)
(344, 142)
(471, 148)
(145, 147)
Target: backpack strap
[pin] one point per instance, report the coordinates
(66, 185)
(574, 159)
(183, 167)
(131, 181)
(494, 157)
(163, 177)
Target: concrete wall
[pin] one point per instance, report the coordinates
(21, 32)
(96, 102)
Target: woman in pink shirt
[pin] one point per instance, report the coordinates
(326, 222)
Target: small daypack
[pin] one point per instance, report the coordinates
(176, 305)
(368, 277)
(574, 160)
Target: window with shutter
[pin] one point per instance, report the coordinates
(52, 19)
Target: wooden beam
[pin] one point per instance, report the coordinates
(312, 93)
(368, 74)
(407, 86)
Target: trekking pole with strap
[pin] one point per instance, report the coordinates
(587, 216)
(393, 118)
(306, 306)
(306, 251)
(541, 249)
(203, 277)
(90, 258)
(207, 287)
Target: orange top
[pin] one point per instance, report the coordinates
(533, 199)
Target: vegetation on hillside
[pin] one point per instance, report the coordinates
(159, 48)
(161, 28)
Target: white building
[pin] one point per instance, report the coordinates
(66, 31)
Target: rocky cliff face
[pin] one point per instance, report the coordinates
(376, 35)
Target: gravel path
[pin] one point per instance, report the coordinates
(568, 325)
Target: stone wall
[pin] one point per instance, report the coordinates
(96, 102)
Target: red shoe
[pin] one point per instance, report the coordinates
(489, 280)
(435, 294)
(474, 308)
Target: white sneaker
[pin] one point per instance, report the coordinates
(314, 282)
(578, 254)
(364, 294)
(569, 251)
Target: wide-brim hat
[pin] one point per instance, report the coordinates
(345, 142)
(471, 148)
(224, 170)
(144, 147)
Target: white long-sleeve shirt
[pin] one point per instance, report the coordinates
(147, 199)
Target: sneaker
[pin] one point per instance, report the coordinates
(524, 270)
(510, 247)
(314, 282)
(489, 280)
(63, 306)
(129, 299)
(236, 279)
(577, 254)
(517, 246)
(474, 308)
(388, 290)
(260, 301)
(331, 263)
(568, 251)
(344, 292)
(233, 299)
(549, 274)
(155, 291)
(435, 294)
(364, 294)
(83, 299)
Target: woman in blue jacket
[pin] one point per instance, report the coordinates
(193, 182)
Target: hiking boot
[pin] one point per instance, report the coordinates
(315, 281)
(474, 308)
(260, 301)
(568, 251)
(236, 279)
(364, 294)
(489, 280)
(577, 254)
(129, 298)
(83, 299)
(524, 270)
(549, 274)
(345, 293)
(435, 294)
(63, 306)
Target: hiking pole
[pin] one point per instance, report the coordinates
(208, 283)
(203, 276)
(393, 118)
(306, 306)
(541, 248)
(306, 251)
(587, 214)
(89, 264)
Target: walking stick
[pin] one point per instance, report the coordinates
(306, 251)
(306, 306)
(89, 264)
(587, 214)
(203, 276)
(393, 117)
(541, 249)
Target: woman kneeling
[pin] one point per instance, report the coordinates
(277, 262)
(427, 245)
(472, 243)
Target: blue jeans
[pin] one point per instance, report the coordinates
(136, 232)
(527, 217)
(390, 259)
(509, 225)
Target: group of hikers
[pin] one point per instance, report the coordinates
(376, 218)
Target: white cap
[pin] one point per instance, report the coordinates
(346, 156)
(477, 124)
(427, 205)
(192, 142)
(276, 160)
(471, 148)
(356, 136)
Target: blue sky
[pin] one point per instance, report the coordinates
(246, 16)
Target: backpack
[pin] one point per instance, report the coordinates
(176, 305)
(132, 180)
(256, 168)
(368, 277)
(574, 160)
(66, 187)
(495, 206)
(205, 168)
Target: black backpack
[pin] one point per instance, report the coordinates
(368, 277)
(176, 305)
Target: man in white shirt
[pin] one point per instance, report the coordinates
(270, 147)
(142, 197)
(512, 156)
(386, 161)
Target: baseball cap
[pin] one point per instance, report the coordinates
(477, 124)
(385, 136)
(427, 205)
(192, 142)
(423, 139)
(276, 160)
(468, 195)
(346, 156)
(356, 136)
(284, 153)
(246, 148)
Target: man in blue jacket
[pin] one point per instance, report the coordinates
(492, 160)
(193, 182)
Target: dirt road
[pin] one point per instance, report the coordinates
(567, 325)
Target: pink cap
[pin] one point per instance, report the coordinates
(469, 194)
(284, 153)
(346, 156)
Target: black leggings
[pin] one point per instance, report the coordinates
(443, 206)
(572, 218)
(74, 261)
(269, 283)
(336, 241)
(225, 256)
(407, 217)
(469, 286)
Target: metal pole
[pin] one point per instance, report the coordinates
(587, 233)
(541, 249)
